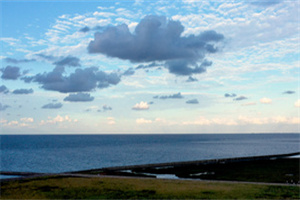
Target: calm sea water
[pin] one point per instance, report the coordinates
(61, 153)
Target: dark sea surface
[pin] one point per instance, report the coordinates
(63, 153)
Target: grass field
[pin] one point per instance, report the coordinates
(131, 188)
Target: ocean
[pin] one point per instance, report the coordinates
(64, 153)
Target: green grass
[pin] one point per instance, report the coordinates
(130, 188)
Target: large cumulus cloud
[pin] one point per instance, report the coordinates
(10, 73)
(82, 80)
(141, 106)
(158, 39)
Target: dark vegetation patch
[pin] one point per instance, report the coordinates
(270, 171)
(278, 192)
(47, 188)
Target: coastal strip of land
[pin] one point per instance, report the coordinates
(267, 177)
(280, 168)
(61, 187)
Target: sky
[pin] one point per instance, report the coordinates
(75, 67)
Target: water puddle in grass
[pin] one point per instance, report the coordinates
(296, 156)
(158, 176)
(9, 176)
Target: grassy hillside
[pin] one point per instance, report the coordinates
(131, 188)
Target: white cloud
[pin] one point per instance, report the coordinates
(138, 2)
(111, 120)
(102, 8)
(61, 27)
(10, 41)
(160, 120)
(244, 25)
(3, 121)
(141, 106)
(104, 14)
(249, 104)
(92, 22)
(126, 13)
(224, 121)
(13, 124)
(131, 83)
(244, 120)
(265, 100)
(199, 121)
(252, 120)
(66, 31)
(297, 103)
(122, 20)
(143, 121)
(202, 121)
(57, 119)
(268, 120)
(63, 16)
(58, 51)
(27, 119)
(132, 26)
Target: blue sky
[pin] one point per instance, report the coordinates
(149, 66)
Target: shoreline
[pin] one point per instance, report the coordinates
(175, 170)
(196, 162)
(126, 134)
